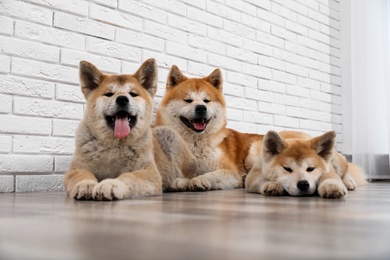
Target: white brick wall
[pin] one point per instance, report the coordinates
(280, 61)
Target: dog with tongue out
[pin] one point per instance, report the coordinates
(116, 149)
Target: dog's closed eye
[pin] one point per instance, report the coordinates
(287, 169)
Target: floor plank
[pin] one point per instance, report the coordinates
(208, 225)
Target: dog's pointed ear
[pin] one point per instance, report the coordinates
(147, 76)
(90, 77)
(175, 77)
(324, 145)
(273, 144)
(215, 79)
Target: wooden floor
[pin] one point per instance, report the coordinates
(209, 225)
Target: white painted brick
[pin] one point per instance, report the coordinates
(109, 3)
(305, 21)
(283, 33)
(283, 11)
(241, 103)
(169, 5)
(49, 35)
(315, 104)
(6, 25)
(61, 163)
(144, 10)
(185, 52)
(257, 24)
(243, 127)
(223, 62)
(271, 85)
(44, 70)
(26, 11)
(296, 7)
(269, 39)
(270, 17)
(28, 49)
(286, 121)
(47, 108)
(114, 17)
(314, 125)
(309, 83)
(206, 44)
(164, 60)
(234, 114)
(26, 87)
(224, 36)
(233, 89)
(311, 4)
(258, 118)
(306, 41)
(284, 77)
(297, 112)
(263, 129)
(139, 39)
(239, 29)
(203, 16)
(241, 79)
(295, 90)
(10, 163)
(82, 25)
(131, 67)
(199, 69)
(10, 124)
(113, 49)
(34, 183)
(320, 76)
(43, 145)
(5, 104)
(256, 70)
(5, 144)
(223, 11)
(71, 6)
(65, 128)
(257, 47)
(270, 62)
(106, 64)
(296, 70)
(296, 48)
(6, 183)
(285, 99)
(65, 92)
(297, 28)
(240, 54)
(187, 25)
(5, 64)
(271, 108)
(242, 6)
(257, 94)
(264, 4)
(165, 32)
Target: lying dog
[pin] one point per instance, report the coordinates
(196, 109)
(296, 164)
(115, 155)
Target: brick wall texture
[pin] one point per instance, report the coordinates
(280, 61)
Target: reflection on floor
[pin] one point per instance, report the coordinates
(209, 225)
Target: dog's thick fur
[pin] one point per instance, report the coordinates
(115, 145)
(296, 164)
(196, 109)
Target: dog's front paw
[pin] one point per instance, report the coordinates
(110, 189)
(271, 188)
(349, 182)
(332, 189)
(200, 183)
(83, 190)
(179, 184)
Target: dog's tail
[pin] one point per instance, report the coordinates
(357, 174)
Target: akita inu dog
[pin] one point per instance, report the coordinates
(196, 109)
(296, 164)
(115, 155)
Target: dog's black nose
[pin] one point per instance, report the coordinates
(122, 101)
(200, 109)
(303, 185)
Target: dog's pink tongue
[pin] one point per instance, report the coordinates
(122, 128)
(199, 125)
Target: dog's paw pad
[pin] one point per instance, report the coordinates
(83, 190)
(199, 183)
(271, 189)
(109, 189)
(332, 189)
